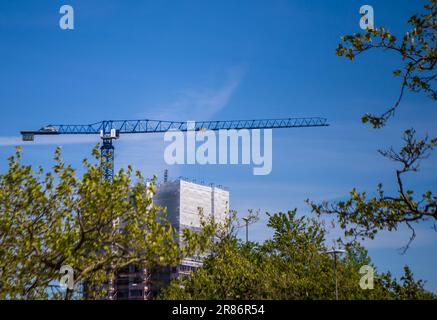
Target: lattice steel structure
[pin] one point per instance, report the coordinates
(111, 129)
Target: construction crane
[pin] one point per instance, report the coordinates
(110, 130)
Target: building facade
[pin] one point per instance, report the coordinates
(183, 200)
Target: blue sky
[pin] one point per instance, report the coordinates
(201, 60)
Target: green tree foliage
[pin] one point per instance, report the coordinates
(362, 216)
(409, 289)
(416, 48)
(293, 264)
(96, 226)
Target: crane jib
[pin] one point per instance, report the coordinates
(155, 126)
(111, 129)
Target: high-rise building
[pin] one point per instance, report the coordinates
(183, 200)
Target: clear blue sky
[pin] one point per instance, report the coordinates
(193, 60)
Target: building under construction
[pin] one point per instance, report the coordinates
(183, 200)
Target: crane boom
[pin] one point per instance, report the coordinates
(155, 126)
(111, 129)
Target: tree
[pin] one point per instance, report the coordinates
(363, 217)
(416, 49)
(291, 265)
(49, 220)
